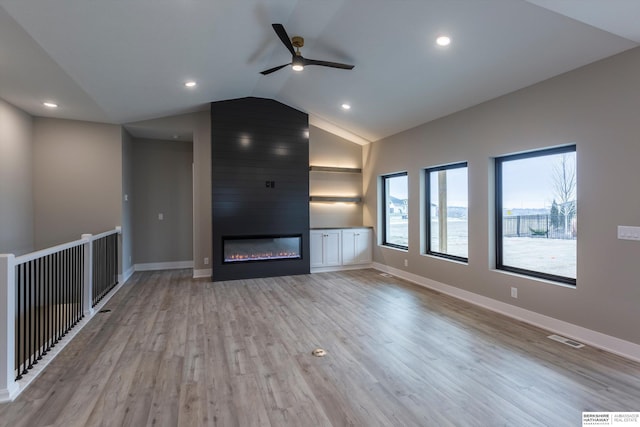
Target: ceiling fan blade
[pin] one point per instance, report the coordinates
(271, 70)
(328, 64)
(280, 31)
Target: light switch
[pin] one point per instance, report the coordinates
(160, 216)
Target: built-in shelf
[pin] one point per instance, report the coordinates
(335, 199)
(334, 169)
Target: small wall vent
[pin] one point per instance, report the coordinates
(567, 341)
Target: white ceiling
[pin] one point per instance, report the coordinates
(123, 61)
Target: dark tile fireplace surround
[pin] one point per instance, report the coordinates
(260, 189)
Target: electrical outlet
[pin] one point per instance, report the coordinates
(514, 292)
(161, 216)
(406, 263)
(206, 261)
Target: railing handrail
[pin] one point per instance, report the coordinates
(48, 251)
(106, 233)
(61, 247)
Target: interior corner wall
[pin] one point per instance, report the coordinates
(327, 149)
(77, 179)
(596, 107)
(202, 247)
(162, 185)
(16, 182)
(127, 208)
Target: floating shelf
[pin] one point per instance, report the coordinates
(334, 169)
(335, 199)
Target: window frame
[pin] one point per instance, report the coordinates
(384, 209)
(427, 178)
(498, 161)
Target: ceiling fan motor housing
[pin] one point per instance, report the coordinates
(297, 41)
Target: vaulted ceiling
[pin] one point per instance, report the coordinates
(122, 61)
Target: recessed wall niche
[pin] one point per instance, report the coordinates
(260, 183)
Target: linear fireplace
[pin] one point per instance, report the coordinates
(238, 249)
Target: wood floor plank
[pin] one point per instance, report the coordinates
(178, 351)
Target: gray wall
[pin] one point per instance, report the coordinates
(327, 149)
(77, 179)
(16, 183)
(127, 206)
(162, 183)
(596, 107)
(202, 191)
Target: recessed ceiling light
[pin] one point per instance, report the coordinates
(190, 83)
(346, 106)
(50, 104)
(443, 41)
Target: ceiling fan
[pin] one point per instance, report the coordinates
(298, 62)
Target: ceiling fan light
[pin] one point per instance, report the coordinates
(297, 63)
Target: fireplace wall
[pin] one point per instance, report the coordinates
(260, 182)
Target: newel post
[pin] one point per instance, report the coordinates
(87, 281)
(8, 385)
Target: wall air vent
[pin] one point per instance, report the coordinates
(567, 341)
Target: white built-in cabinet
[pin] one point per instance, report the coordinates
(332, 249)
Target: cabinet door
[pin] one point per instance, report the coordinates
(332, 248)
(349, 251)
(363, 246)
(316, 249)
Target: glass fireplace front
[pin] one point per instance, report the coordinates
(261, 248)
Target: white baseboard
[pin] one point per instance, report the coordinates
(596, 339)
(173, 265)
(9, 394)
(340, 268)
(122, 278)
(207, 272)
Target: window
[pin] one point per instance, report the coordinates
(395, 216)
(536, 214)
(447, 226)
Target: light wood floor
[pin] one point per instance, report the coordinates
(177, 351)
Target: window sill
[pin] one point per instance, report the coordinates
(535, 279)
(394, 248)
(442, 258)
